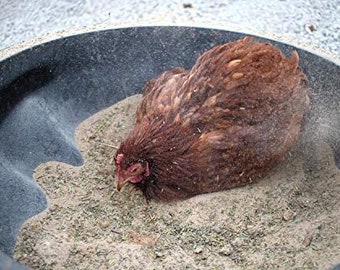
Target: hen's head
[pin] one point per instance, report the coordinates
(151, 158)
(130, 172)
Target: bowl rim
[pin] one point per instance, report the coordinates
(24, 45)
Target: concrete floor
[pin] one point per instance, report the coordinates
(313, 22)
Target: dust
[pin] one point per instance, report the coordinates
(288, 220)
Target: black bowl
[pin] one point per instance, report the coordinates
(47, 90)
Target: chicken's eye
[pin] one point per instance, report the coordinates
(135, 168)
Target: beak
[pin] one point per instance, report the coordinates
(122, 182)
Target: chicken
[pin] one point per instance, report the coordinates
(221, 125)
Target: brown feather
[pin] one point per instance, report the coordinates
(220, 125)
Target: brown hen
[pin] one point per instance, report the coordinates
(220, 125)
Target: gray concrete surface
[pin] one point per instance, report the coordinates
(313, 22)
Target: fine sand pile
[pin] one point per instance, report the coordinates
(289, 220)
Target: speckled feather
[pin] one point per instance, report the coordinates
(220, 125)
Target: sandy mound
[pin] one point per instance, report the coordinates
(289, 220)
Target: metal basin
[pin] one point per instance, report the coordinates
(48, 89)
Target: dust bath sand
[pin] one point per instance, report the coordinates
(289, 220)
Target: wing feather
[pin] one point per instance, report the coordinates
(238, 83)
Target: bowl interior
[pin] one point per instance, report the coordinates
(47, 90)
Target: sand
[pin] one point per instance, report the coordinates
(288, 220)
